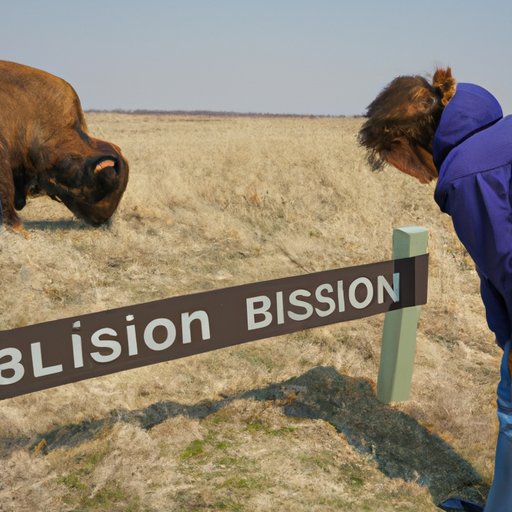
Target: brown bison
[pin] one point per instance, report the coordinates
(45, 149)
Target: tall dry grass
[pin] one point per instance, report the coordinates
(284, 424)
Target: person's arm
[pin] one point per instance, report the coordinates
(495, 310)
(481, 210)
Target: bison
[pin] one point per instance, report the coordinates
(45, 149)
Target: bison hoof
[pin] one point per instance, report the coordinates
(19, 230)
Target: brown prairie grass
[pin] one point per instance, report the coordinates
(284, 424)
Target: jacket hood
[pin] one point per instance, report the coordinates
(471, 109)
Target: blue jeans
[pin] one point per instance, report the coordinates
(500, 495)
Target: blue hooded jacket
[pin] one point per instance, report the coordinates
(473, 154)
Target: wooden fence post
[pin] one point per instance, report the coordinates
(399, 334)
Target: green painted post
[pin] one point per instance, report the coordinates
(399, 334)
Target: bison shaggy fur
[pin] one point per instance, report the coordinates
(45, 148)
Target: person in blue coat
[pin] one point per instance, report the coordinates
(456, 133)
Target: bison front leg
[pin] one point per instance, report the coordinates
(8, 215)
(20, 191)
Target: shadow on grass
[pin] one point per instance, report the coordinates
(401, 447)
(62, 224)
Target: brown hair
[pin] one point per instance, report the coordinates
(402, 120)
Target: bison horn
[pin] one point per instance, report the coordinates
(102, 165)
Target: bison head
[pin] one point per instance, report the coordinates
(90, 183)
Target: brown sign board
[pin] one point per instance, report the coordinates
(53, 353)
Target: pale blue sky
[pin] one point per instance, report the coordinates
(281, 56)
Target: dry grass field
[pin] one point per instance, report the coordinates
(285, 424)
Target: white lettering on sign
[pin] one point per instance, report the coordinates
(131, 337)
(12, 367)
(325, 300)
(302, 304)
(382, 285)
(186, 323)
(253, 310)
(113, 345)
(78, 356)
(37, 362)
(352, 293)
(149, 331)
(158, 335)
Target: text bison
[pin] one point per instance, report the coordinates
(45, 149)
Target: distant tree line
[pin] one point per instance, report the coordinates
(209, 113)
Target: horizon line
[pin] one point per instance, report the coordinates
(213, 113)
